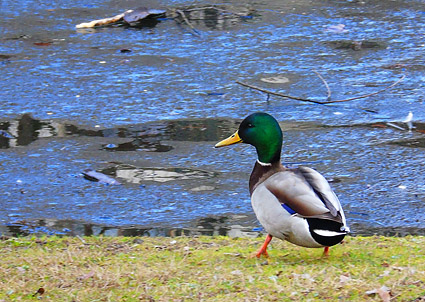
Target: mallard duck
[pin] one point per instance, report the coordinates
(293, 204)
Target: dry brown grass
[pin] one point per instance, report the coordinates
(209, 269)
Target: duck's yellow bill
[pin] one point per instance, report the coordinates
(233, 139)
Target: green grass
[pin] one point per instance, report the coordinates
(209, 269)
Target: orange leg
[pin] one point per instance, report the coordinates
(326, 251)
(263, 248)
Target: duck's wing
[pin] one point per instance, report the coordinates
(322, 188)
(306, 192)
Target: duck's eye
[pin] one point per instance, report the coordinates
(250, 125)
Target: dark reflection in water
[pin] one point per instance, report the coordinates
(20, 132)
(367, 230)
(414, 142)
(208, 226)
(356, 45)
(150, 136)
(146, 23)
(138, 175)
(146, 137)
(5, 57)
(218, 17)
(139, 144)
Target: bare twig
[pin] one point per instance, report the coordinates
(369, 94)
(395, 126)
(326, 85)
(181, 13)
(318, 102)
(277, 93)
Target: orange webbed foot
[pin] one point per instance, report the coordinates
(263, 248)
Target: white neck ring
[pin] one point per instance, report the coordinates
(263, 164)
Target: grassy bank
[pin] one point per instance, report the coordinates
(209, 269)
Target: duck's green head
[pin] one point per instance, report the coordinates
(263, 132)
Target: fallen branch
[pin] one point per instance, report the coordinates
(319, 102)
(135, 17)
(102, 22)
(131, 17)
(326, 85)
(183, 15)
(277, 93)
(369, 94)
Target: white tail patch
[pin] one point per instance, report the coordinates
(326, 233)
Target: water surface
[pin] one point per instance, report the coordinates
(72, 101)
